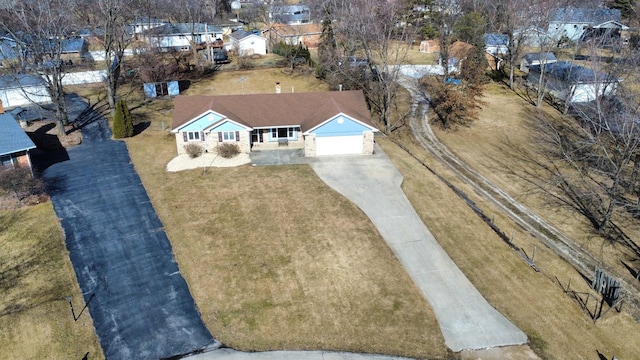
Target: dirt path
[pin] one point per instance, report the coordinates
(551, 237)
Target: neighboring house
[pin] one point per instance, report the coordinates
(15, 144)
(532, 59)
(306, 34)
(323, 123)
(290, 14)
(182, 36)
(531, 37)
(496, 44)
(246, 43)
(23, 89)
(228, 26)
(142, 24)
(573, 83)
(578, 23)
(74, 49)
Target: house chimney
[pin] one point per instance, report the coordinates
(277, 88)
(1, 108)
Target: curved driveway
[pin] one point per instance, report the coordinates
(373, 183)
(140, 304)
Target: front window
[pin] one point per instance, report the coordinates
(283, 133)
(193, 135)
(228, 136)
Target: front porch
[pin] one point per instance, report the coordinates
(276, 138)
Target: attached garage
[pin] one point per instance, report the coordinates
(340, 135)
(339, 145)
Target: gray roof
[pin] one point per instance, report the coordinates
(290, 13)
(72, 45)
(496, 39)
(19, 80)
(572, 73)
(14, 139)
(588, 16)
(6, 51)
(241, 34)
(184, 29)
(539, 57)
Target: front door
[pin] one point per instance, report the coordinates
(256, 136)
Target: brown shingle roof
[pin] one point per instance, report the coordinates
(266, 110)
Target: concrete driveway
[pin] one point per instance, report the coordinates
(466, 320)
(140, 305)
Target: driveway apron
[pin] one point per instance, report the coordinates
(373, 183)
(140, 304)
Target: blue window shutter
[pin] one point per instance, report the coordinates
(201, 135)
(237, 135)
(219, 136)
(184, 136)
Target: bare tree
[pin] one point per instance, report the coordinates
(113, 17)
(41, 30)
(589, 160)
(379, 36)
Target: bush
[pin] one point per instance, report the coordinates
(122, 122)
(20, 183)
(228, 150)
(193, 150)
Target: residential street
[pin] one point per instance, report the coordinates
(140, 304)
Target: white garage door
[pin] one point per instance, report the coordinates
(339, 145)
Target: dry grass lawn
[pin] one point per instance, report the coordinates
(36, 277)
(485, 145)
(274, 258)
(277, 260)
(556, 325)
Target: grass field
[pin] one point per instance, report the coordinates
(35, 279)
(270, 274)
(556, 325)
(486, 144)
(274, 258)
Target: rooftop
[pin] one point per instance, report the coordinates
(266, 110)
(14, 139)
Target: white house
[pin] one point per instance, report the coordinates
(496, 44)
(575, 23)
(22, 89)
(573, 83)
(182, 36)
(246, 43)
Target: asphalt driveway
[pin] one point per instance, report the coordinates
(466, 320)
(140, 304)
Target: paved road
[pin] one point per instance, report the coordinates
(230, 354)
(373, 183)
(140, 304)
